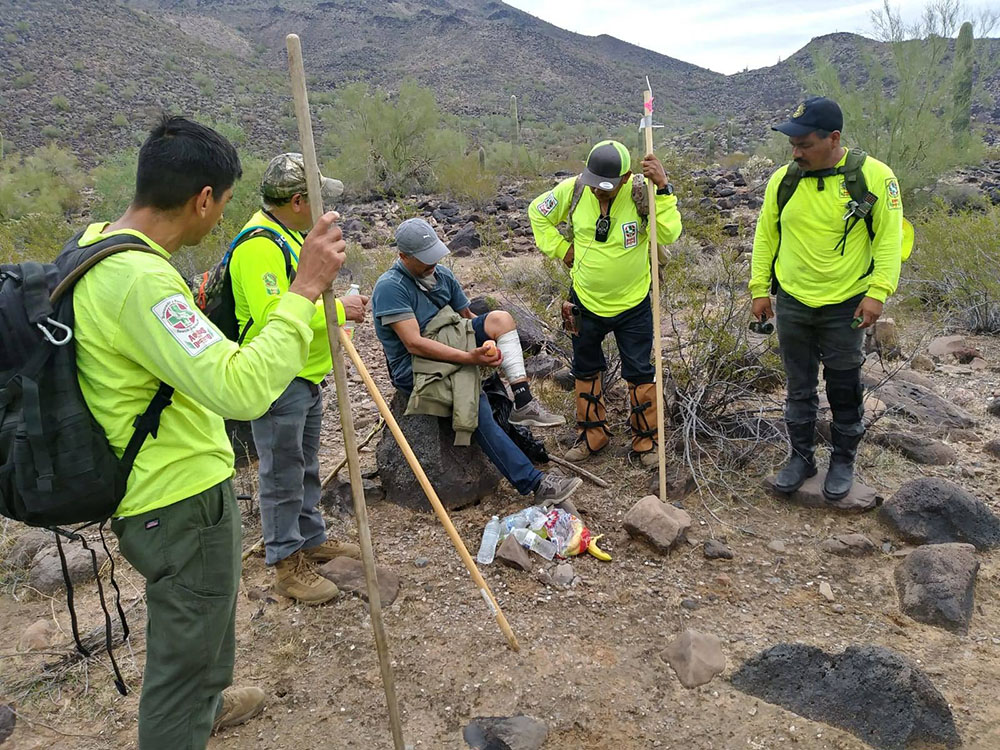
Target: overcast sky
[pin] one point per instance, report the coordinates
(722, 35)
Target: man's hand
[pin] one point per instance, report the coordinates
(870, 309)
(320, 259)
(653, 169)
(483, 357)
(568, 257)
(354, 306)
(762, 306)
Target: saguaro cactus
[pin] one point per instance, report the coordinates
(516, 131)
(961, 116)
(482, 160)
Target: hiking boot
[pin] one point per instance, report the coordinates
(330, 549)
(553, 489)
(533, 414)
(801, 464)
(649, 459)
(579, 452)
(298, 580)
(840, 476)
(239, 705)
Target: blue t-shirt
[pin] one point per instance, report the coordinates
(396, 292)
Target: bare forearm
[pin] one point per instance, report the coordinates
(430, 349)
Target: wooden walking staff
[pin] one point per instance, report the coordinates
(428, 489)
(298, 75)
(654, 265)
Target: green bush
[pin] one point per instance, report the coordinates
(205, 83)
(24, 80)
(460, 177)
(119, 120)
(60, 102)
(51, 132)
(955, 266)
(49, 183)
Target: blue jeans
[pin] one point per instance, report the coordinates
(496, 444)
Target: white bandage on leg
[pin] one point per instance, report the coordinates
(509, 345)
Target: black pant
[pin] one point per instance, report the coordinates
(633, 330)
(810, 335)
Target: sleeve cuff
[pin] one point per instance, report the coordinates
(877, 292)
(341, 313)
(298, 307)
(561, 249)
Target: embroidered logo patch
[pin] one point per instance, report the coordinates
(631, 234)
(186, 324)
(844, 192)
(546, 206)
(799, 111)
(271, 284)
(892, 194)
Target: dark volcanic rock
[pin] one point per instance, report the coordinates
(501, 733)
(936, 585)
(875, 693)
(460, 475)
(919, 449)
(917, 403)
(931, 510)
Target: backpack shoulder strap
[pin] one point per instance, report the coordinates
(787, 187)
(578, 188)
(275, 237)
(92, 260)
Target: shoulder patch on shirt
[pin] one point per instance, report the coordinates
(271, 284)
(547, 205)
(892, 193)
(185, 323)
(631, 234)
(844, 192)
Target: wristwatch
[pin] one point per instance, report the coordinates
(667, 189)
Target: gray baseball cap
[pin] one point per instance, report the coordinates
(417, 238)
(286, 175)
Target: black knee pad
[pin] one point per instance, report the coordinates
(845, 393)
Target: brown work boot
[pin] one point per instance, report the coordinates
(591, 417)
(330, 549)
(643, 422)
(239, 705)
(298, 580)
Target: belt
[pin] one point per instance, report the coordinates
(314, 388)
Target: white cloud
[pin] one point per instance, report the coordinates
(722, 35)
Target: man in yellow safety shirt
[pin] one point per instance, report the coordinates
(136, 327)
(287, 437)
(608, 257)
(828, 244)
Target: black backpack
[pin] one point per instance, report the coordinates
(57, 467)
(213, 289)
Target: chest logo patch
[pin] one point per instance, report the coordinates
(630, 233)
(186, 324)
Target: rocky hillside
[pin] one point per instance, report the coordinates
(89, 73)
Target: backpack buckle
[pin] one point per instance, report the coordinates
(67, 332)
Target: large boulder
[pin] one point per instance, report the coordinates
(872, 692)
(931, 510)
(936, 585)
(917, 448)
(460, 475)
(810, 495)
(28, 545)
(529, 330)
(916, 402)
(46, 573)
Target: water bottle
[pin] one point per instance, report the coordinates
(491, 536)
(530, 540)
(527, 518)
(349, 325)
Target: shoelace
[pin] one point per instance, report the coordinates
(304, 567)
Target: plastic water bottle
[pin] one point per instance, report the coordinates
(531, 541)
(491, 537)
(349, 325)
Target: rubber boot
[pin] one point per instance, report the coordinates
(840, 476)
(802, 462)
(642, 420)
(591, 418)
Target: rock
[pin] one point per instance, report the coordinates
(993, 447)
(352, 226)
(916, 402)
(563, 575)
(460, 475)
(849, 545)
(46, 573)
(921, 450)
(421, 562)
(513, 555)
(923, 363)
(875, 693)
(27, 546)
(564, 379)
(936, 585)
(662, 526)
(944, 346)
(777, 546)
(541, 365)
(690, 604)
(886, 336)
(8, 720)
(529, 329)
(978, 364)
(349, 575)
(931, 510)
(810, 495)
(38, 636)
(967, 355)
(467, 239)
(695, 657)
(826, 591)
(503, 733)
(716, 550)
(338, 497)
(993, 408)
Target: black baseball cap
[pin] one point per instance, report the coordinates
(606, 164)
(817, 113)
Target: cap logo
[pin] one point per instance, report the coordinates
(799, 111)
(606, 185)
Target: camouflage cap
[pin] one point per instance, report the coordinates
(286, 175)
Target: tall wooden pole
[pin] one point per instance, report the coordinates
(297, 70)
